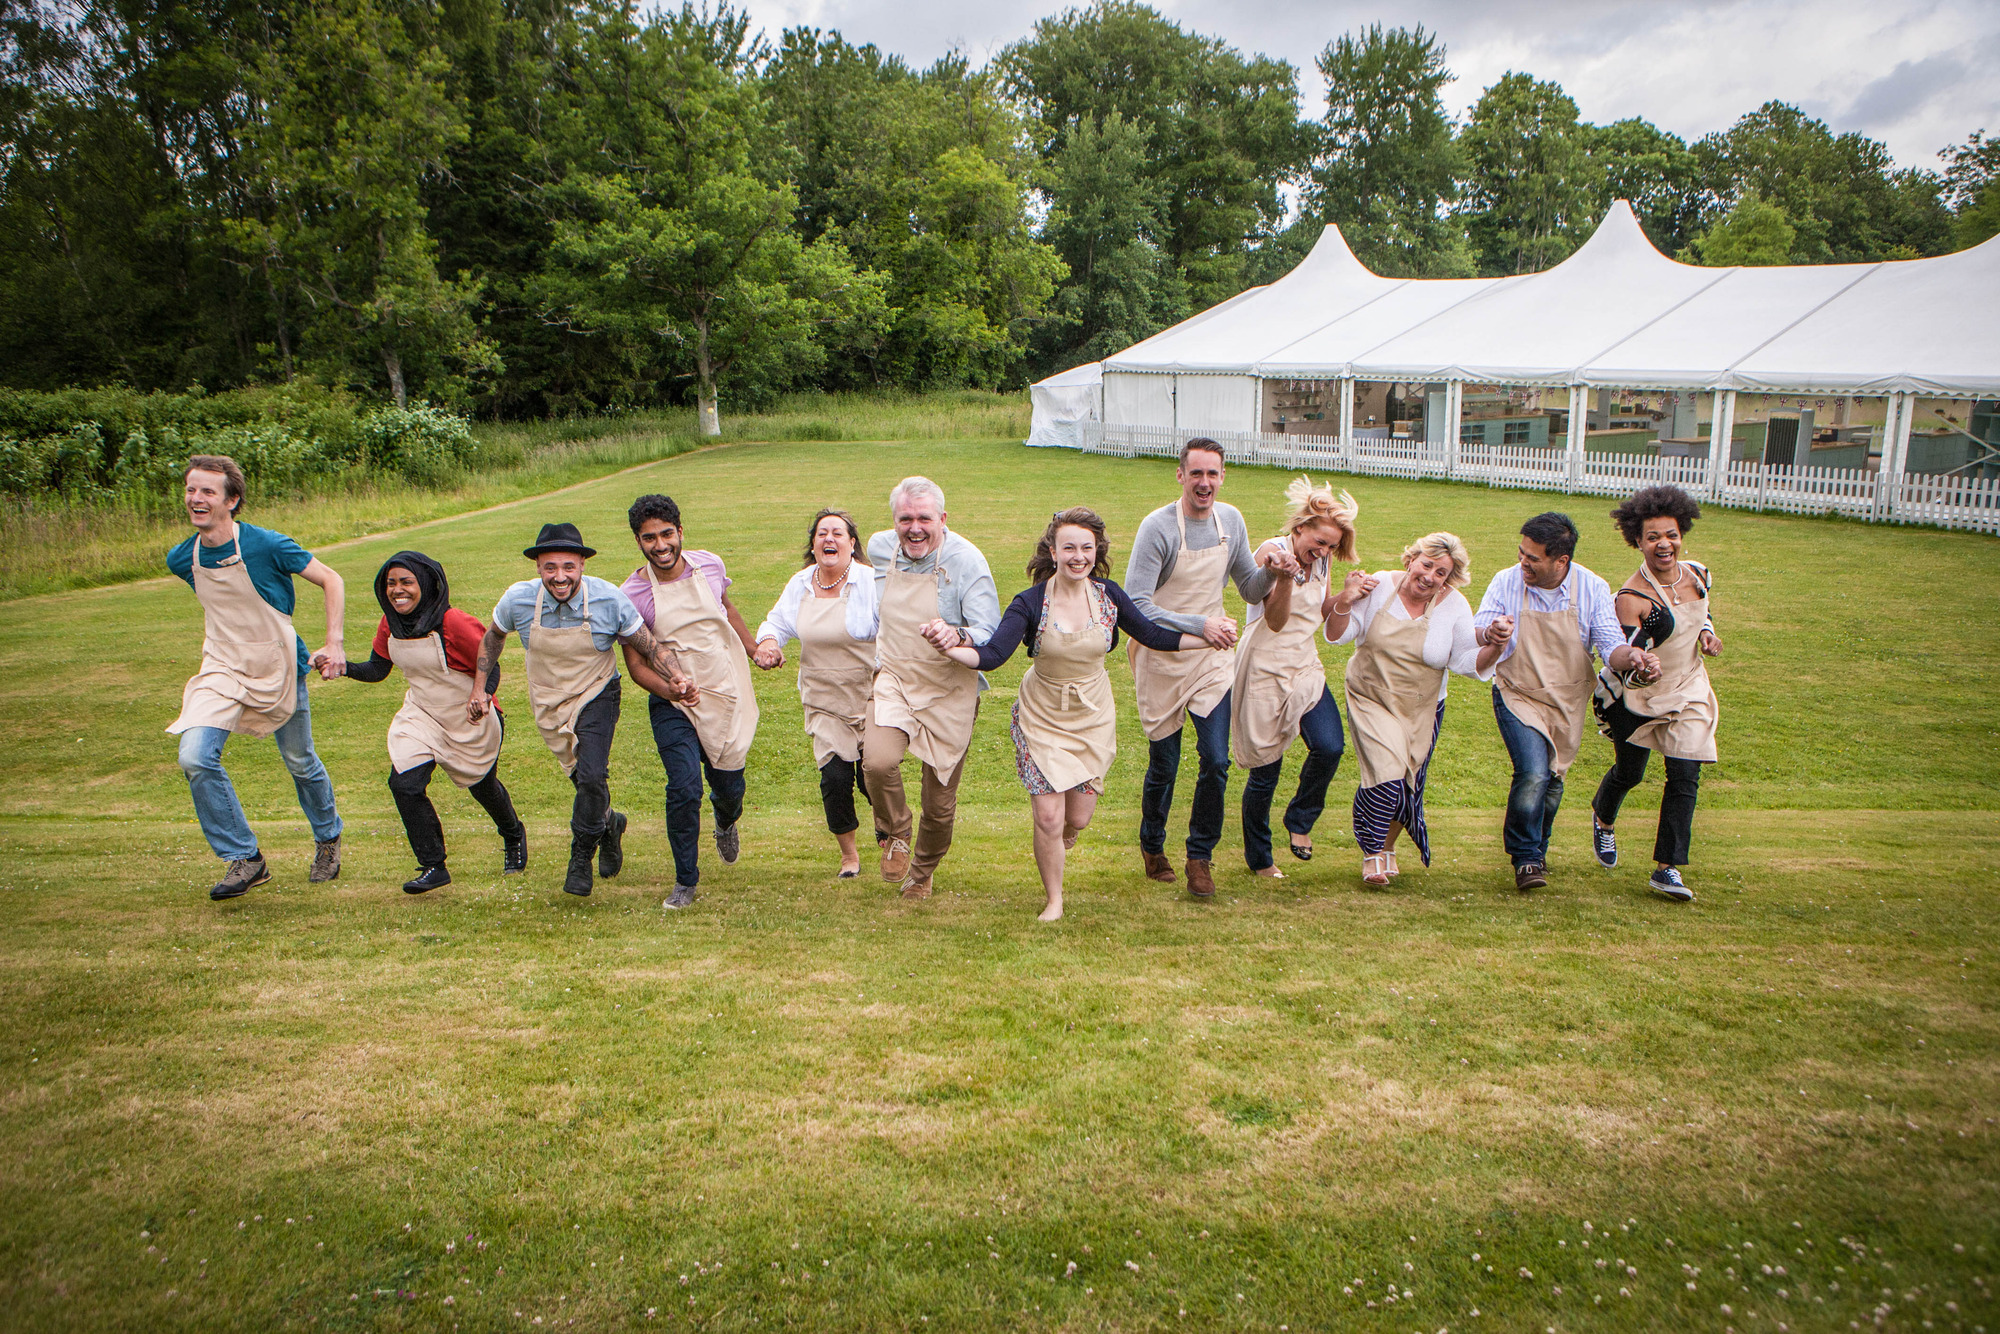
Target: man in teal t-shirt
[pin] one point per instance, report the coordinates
(253, 671)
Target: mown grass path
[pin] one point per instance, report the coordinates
(807, 1104)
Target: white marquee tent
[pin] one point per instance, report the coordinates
(1615, 314)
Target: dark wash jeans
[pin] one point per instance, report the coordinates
(596, 727)
(1325, 741)
(681, 753)
(1536, 794)
(1163, 763)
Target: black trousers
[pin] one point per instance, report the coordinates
(596, 725)
(839, 780)
(410, 788)
(1670, 844)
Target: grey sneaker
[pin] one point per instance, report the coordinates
(240, 876)
(682, 896)
(326, 861)
(1666, 880)
(729, 843)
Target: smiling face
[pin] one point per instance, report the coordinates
(1075, 552)
(919, 525)
(206, 495)
(1660, 540)
(832, 544)
(402, 590)
(561, 573)
(661, 541)
(1427, 575)
(1200, 477)
(1539, 568)
(1312, 542)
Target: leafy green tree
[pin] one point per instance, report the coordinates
(923, 178)
(1972, 188)
(1529, 187)
(1221, 132)
(1650, 169)
(1752, 233)
(1838, 191)
(1387, 167)
(676, 235)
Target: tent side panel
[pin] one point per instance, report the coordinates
(1217, 402)
(1134, 399)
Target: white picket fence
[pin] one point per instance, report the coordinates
(1943, 501)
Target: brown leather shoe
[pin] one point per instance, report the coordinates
(895, 860)
(917, 887)
(1158, 867)
(1530, 875)
(1200, 883)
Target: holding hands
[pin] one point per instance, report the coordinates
(1219, 632)
(331, 662)
(1278, 556)
(477, 705)
(768, 654)
(1358, 585)
(942, 637)
(1500, 631)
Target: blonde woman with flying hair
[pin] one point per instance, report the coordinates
(1411, 627)
(1280, 690)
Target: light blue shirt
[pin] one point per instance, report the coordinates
(966, 595)
(611, 612)
(1596, 615)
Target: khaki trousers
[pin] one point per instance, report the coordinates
(882, 752)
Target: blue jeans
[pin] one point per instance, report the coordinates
(223, 823)
(1156, 797)
(1325, 741)
(1536, 794)
(681, 753)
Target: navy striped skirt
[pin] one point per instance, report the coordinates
(1376, 809)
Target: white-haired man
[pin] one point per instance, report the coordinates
(922, 703)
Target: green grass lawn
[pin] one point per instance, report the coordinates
(805, 1103)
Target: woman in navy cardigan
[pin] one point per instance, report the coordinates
(1064, 724)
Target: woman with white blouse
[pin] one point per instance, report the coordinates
(830, 607)
(1411, 627)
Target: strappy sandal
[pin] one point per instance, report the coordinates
(1381, 873)
(1394, 870)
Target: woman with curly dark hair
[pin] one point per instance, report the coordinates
(1663, 608)
(1065, 728)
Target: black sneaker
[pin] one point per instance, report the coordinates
(1666, 881)
(611, 848)
(682, 896)
(515, 853)
(241, 876)
(1604, 843)
(426, 879)
(577, 881)
(729, 843)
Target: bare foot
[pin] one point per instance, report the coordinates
(1052, 912)
(850, 866)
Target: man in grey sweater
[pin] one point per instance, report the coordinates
(1184, 555)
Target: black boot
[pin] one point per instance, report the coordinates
(515, 847)
(426, 879)
(578, 880)
(611, 848)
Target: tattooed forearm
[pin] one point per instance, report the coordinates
(665, 661)
(489, 657)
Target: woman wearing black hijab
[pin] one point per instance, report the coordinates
(436, 645)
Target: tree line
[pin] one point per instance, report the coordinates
(531, 207)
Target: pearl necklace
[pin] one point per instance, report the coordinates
(827, 588)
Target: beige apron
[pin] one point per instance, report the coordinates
(918, 691)
(1681, 704)
(835, 669)
(1167, 685)
(249, 677)
(1546, 681)
(688, 618)
(1064, 706)
(565, 672)
(1392, 696)
(1278, 678)
(432, 724)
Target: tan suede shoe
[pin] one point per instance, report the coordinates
(1159, 868)
(895, 861)
(917, 887)
(1200, 883)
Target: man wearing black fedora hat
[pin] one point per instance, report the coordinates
(568, 622)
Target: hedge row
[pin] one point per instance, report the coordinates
(100, 444)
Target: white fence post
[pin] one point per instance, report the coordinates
(1721, 427)
(1573, 441)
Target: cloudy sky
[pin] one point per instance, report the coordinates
(1916, 74)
